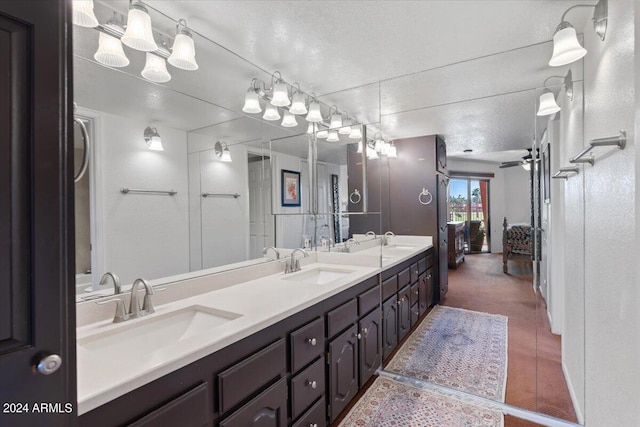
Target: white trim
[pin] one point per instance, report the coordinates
(574, 398)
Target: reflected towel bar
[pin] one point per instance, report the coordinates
(619, 140)
(125, 190)
(564, 172)
(234, 195)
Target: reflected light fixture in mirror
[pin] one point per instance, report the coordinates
(392, 152)
(336, 119)
(548, 104)
(346, 125)
(183, 52)
(311, 128)
(110, 52)
(271, 113)
(371, 153)
(360, 147)
(83, 14)
(252, 100)
(314, 115)
(152, 137)
(566, 47)
(526, 166)
(355, 133)
(155, 69)
(139, 35)
(333, 136)
(323, 134)
(289, 120)
(222, 151)
(280, 93)
(298, 105)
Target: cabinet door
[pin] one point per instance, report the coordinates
(389, 327)
(430, 280)
(343, 370)
(269, 409)
(370, 345)
(404, 312)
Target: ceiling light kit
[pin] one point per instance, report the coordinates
(138, 34)
(566, 47)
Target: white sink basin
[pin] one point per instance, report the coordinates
(143, 338)
(318, 276)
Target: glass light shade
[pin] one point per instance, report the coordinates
(226, 155)
(371, 153)
(359, 147)
(155, 143)
(314, 115)
(346, 127)
(526, 166)
(83, 15)
(139, 35)
(251, 102)
(110, 52)
(355, 133)
(392, 153)
(378, 145)
(322, 134)
(384, 148)
(548, 104)
(289, 120)
(336, 121)
(280, 95)
(566, 47)
(183, 53)
(333, 136)
(155, 69)
(271, 113)
(311, 129)
(298, 105)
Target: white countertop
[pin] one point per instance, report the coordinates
(105, 374)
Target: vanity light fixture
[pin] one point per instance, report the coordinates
(333, 136)
(314, 115)
(252, 99)
(139, 34)
(566, 47)
(392, 152)
(183, 52)
(311, 129)
(298, 105)
(547, 104)
(526, 166)
(289, 120)
(356, 132)
(83, 14)
(271, 113)
(360, 147)
(336, 119)
(152, 137)
(322, 134)
(110, 52)
(371, 153)
(346, 125)
(155, 69)
(222, 151)
(280, 96)
(378, 142)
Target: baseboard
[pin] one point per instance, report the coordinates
(574, 399)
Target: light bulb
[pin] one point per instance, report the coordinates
(548, 104)
(271, 113)
(333, 136)
(139, 34)
(298, 105)
(155, 69)
(566, 47)
(110, 52)
(83, 14)
(251, 102)
(280, 95)
(314, 115)
(183, 53)
(289, 120)
(355, 133)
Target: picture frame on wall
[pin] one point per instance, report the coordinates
(290, 188)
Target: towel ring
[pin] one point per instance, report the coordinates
(425, 193)
(352, 197)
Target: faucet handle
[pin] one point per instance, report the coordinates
(121, 311)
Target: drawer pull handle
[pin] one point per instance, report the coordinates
(312, 384)
(312, 341)
(358, 336)
(428, 277)
(365, 331)
(415, 292)
(416, 313)
(416, 272)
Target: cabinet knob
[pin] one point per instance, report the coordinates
(312, 384)
(358, 336)
(365, 330)
(49, 364)
(428, 277)
(313, 425)
(415, 292)
(312, 341)
(416, 272)
(417, 313)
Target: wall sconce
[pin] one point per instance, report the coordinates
(110, 52)
(139, 34)
(222, 152)
(152, 137)
(548, 104)
(183, 52)
(83, 14)
(566, 47)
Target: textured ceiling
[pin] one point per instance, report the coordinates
(469, 70)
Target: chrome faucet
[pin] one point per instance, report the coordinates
(117, 288)
(147, 306)
(387, 236)
(370, 233)
(293, 264)
(121, 311)
(275, 251)
(347, 248)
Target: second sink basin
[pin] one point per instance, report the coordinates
(318, 276)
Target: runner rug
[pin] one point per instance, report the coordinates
(388, 403)
(462, 349)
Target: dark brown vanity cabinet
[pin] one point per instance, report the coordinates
(343, 370)
(370, 348)
(389, 326)
(404, 312)
(269, 409)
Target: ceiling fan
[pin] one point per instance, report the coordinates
(525, 161)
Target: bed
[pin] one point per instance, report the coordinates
(516, 243)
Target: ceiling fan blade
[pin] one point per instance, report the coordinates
(510, 164)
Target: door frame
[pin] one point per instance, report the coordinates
(487, 221)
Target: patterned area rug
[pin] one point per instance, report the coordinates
(388, 403)
(462, 349)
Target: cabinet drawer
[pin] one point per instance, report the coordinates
(341, 317)
(368, 300)
(425, 263)
(413, 296)
(316, 416)
(242, 380)
(389, 287)
(306, 387)
(404, 277)
(414, 272)
(307, 343)
(191, 409)
(267, 409)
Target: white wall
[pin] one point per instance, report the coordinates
(144, 235)
(508, 195)
(612, 339)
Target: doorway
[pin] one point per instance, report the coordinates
(469, 203)
(261, 226)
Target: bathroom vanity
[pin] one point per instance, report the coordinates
(283, 349)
